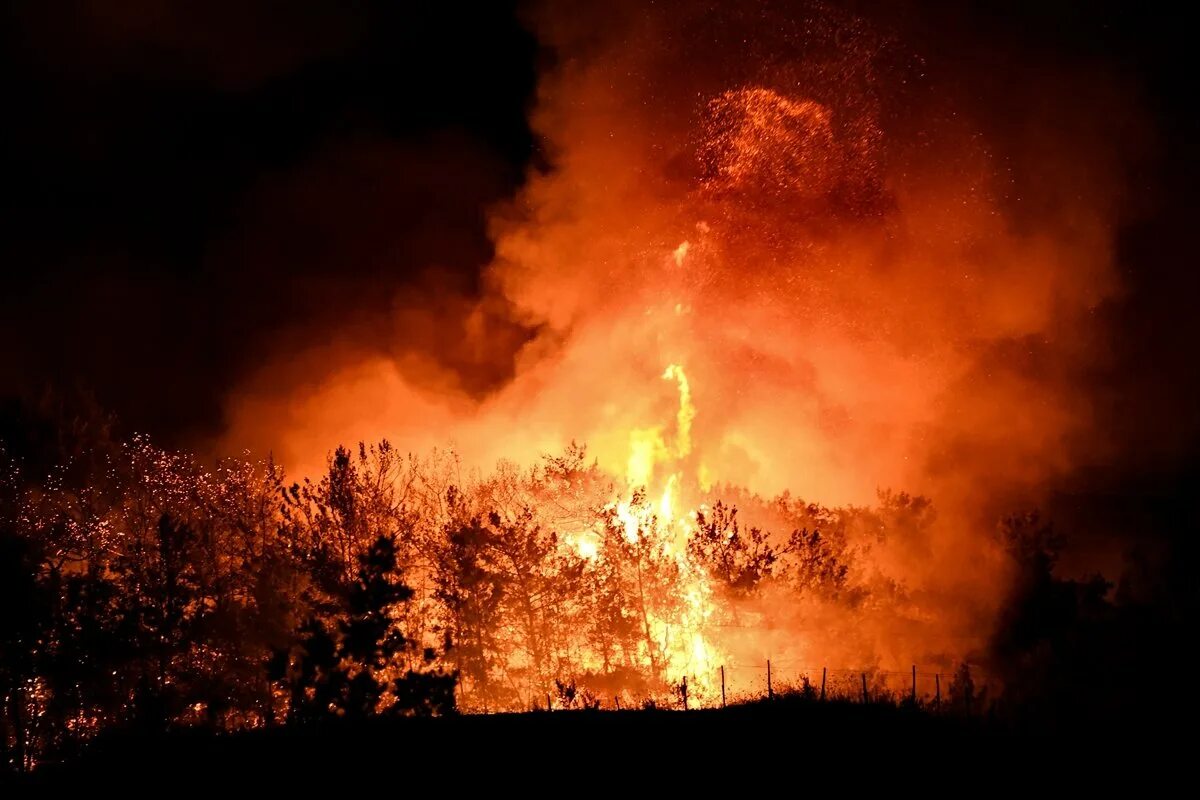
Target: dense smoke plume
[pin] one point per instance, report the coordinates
(870, 280)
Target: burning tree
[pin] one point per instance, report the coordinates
(642, 585)
(737, 562)
(180, 596)
(470, 586)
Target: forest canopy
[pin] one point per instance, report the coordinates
(146, 591)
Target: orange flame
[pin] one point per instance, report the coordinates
(856, 299)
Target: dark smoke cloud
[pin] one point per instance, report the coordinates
(194, 189)
(224, 43)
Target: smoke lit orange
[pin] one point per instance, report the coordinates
(761, 264)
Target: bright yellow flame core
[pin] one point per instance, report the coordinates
(687, 410)
(686, 649)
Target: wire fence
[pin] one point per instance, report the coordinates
(965, 688)
(749, 682)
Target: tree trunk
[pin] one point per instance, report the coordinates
(16, 714)
(646, 620)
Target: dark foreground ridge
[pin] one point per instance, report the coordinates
(744, 748)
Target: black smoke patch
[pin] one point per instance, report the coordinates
(193, 188)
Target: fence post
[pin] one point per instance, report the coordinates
(683, 691)
(864, 681)
(937, 688)
(722, 686)
(617, 700)
(823, 671)
(914, 691)
(770, 691)
(548, 706)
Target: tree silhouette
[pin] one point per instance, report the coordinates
(370, 638)
(642, 580)
(471, 586)
(738, 560)
(964, 696)
(24, 614)
(1053, 631)
(345, 670)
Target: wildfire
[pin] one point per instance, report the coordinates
(657, 460)
(854, 283)
(824, 255)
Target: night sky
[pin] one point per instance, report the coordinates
(190, 185)
(192, 188)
